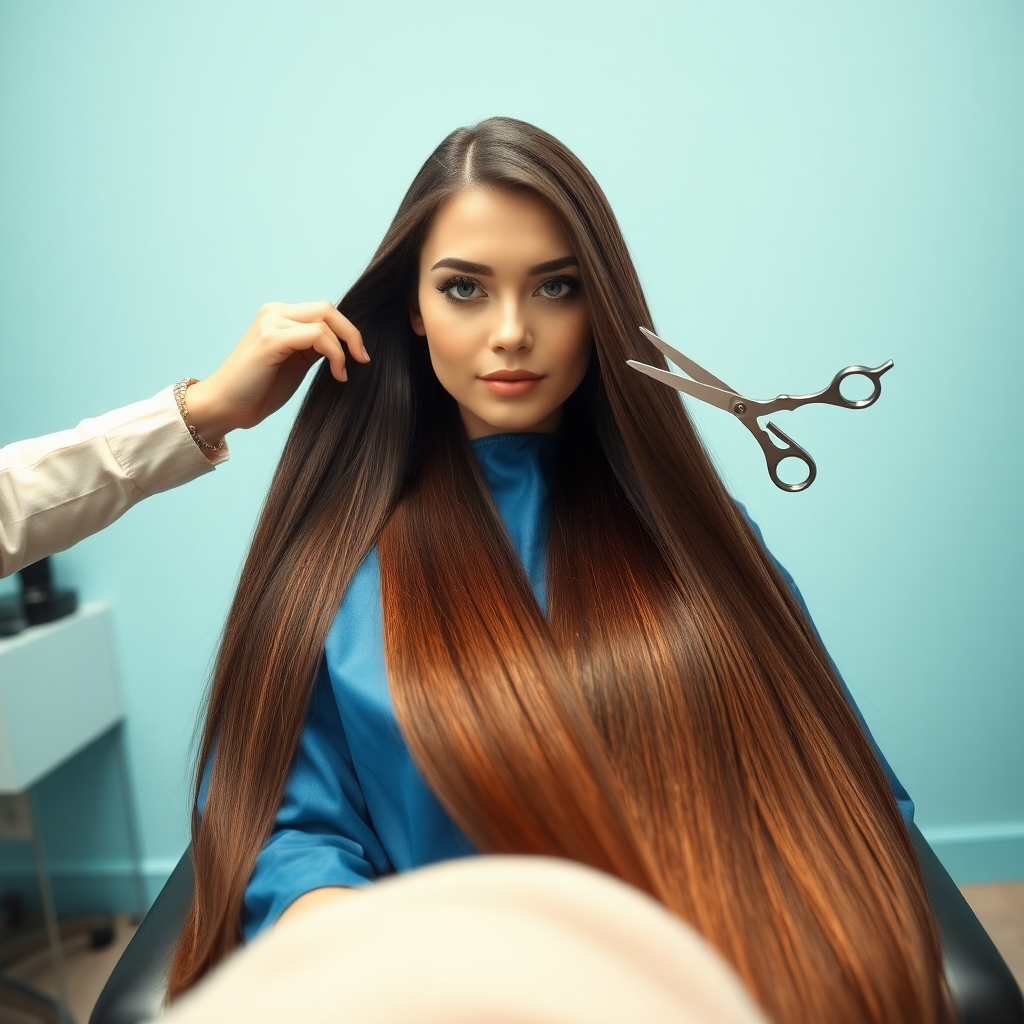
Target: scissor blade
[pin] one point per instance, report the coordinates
(685, 363)
(713, 396)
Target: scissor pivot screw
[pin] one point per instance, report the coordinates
(739, 408)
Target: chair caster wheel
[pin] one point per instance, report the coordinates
(101, 937)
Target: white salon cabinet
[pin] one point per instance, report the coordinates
(59, 691)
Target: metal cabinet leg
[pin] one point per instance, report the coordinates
(132, 824)
(49, 909)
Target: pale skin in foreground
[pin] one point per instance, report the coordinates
(499, 293)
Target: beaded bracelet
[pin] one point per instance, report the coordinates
(179, 396)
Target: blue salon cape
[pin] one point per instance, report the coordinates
(355, 806)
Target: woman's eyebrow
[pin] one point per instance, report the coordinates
(484, 271)
(465, 266)
(547, 268)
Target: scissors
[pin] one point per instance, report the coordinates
(710, 389)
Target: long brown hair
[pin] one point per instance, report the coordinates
(674, 721)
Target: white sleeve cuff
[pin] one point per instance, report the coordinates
(153, 446)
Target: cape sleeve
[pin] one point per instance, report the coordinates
(322, 834)
(903, 801)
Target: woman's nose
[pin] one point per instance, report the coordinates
(511, 333)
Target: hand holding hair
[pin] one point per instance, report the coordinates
(57, 489)
(268, 364)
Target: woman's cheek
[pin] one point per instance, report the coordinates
(451, 348)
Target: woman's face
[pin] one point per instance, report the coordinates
(500, 305)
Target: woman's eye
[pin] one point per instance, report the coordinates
(558, 287)
(461, 289)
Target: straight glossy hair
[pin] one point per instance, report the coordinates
(674, 722)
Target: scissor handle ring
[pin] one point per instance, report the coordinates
(836, 397)
(774, 455)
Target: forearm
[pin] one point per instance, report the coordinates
(58, 489)
(316, 898)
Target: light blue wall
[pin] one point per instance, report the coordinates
(803, 186)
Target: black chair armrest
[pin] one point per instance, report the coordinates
(982, 986)
(136, 989)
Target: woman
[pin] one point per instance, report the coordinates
(588, 653)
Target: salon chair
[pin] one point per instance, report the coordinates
(983, 987)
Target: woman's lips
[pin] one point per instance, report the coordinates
(512, 388)
(511, 383)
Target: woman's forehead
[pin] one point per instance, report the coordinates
(496, 228)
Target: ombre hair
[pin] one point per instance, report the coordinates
(674, 721)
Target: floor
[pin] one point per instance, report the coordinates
(1000, 909)
(87, 972)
